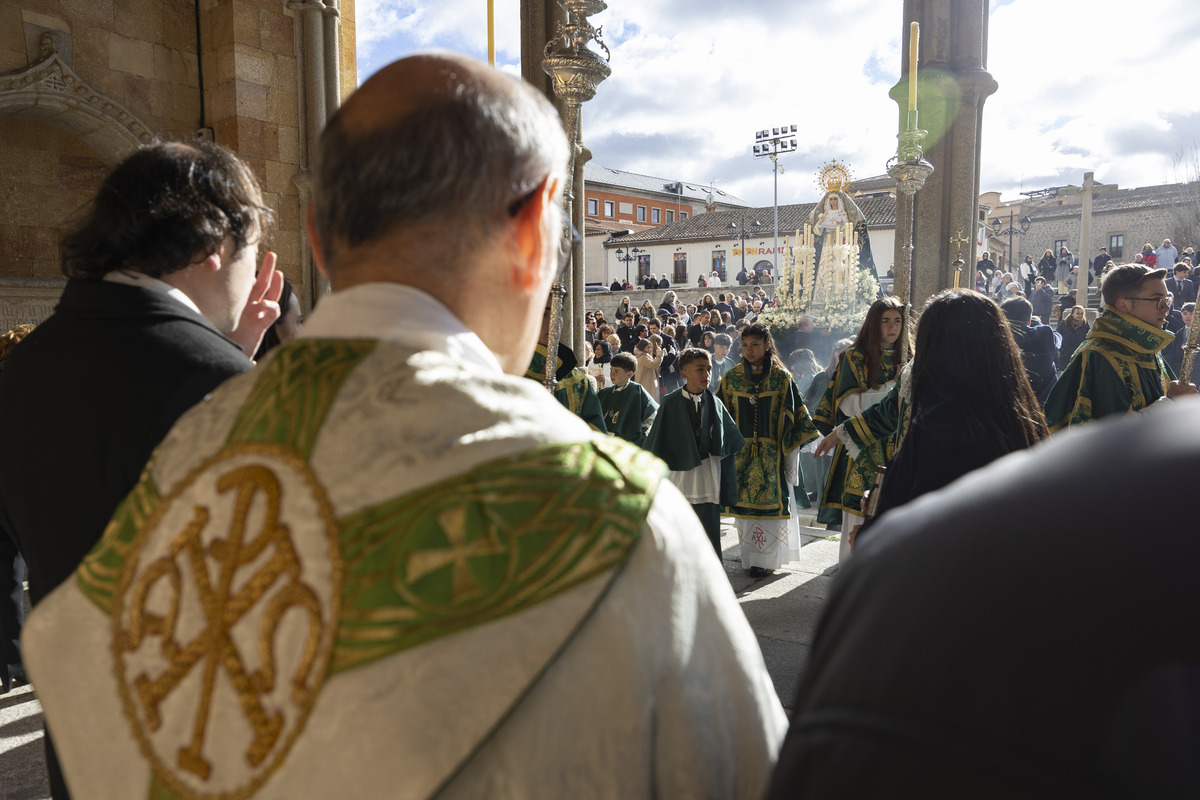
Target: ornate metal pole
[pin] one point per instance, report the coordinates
(575, 72)
(910, 171)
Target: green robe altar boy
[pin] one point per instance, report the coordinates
(628, 408)
(697, 437)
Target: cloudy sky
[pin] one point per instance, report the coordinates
(1103, 85)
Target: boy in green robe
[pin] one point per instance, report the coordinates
(695, 434)
(628, 408)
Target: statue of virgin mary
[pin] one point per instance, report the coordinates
(835, 210)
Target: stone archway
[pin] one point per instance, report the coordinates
(49, 90)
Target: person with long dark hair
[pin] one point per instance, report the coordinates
(769, 412)
(969, 398)
(866, 372)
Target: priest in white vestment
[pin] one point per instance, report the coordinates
(384, 565)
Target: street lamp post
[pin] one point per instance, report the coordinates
(627, 257)
(1011, 231)
(754, 224)
(770, 143)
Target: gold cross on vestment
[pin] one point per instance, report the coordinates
(453, 525)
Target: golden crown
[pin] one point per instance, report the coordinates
(833, 177)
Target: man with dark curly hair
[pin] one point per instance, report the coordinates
(161, 306)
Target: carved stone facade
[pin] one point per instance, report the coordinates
(84, 82)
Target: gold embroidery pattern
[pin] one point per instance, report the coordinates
(291, 398)
(218, 608)
(488, 544)
(97, 575)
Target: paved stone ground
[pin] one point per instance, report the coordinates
(782, 608)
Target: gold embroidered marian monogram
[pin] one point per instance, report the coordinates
(259, 635)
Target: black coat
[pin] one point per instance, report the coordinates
(1071, 339)
(84, 401)
(1039, 347)
(1173, 352)
(1042, 301)
(1047, 266)
(966, 649)
(1184, 292)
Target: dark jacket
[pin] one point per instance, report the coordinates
(85, 400)
(1047, 266)
(1042, 300)
(1071, 337)
(1039, 346)
(1173, 352)
(1184, 292)
(962, 653)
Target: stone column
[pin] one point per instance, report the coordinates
(318, 78)
(954, 83)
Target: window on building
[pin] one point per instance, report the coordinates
(683, 215)
(719, 263)
(680, 268)
(1059, 244)
(593, 207)
(656, 215)
(641, 215)
(609, 209)
(643, 268)
(670, 216)
(1116, 245)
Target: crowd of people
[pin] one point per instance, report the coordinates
(364, 552)
(651, 282)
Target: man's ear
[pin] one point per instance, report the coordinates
(530, 237)
(314, 241)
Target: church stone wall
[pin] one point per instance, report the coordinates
(142, 54)
(1138, 227)
(46, 175)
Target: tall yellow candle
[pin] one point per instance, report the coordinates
(914, 41)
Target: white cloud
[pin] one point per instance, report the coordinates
(1103, 87)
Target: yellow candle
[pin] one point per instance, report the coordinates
(914, 40)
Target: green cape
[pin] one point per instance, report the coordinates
(573, 390)
(626, 411)
(1116, 370)
(672, 439)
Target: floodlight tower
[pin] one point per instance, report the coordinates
(770, 143)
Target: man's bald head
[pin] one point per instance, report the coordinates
(437, 146)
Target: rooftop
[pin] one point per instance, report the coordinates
(1169, 194)
(594, 173)
(879, 211)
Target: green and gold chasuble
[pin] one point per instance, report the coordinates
(850, 478)
(239, 592)
(771, 416)
(573, 389)
(1116, 370)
